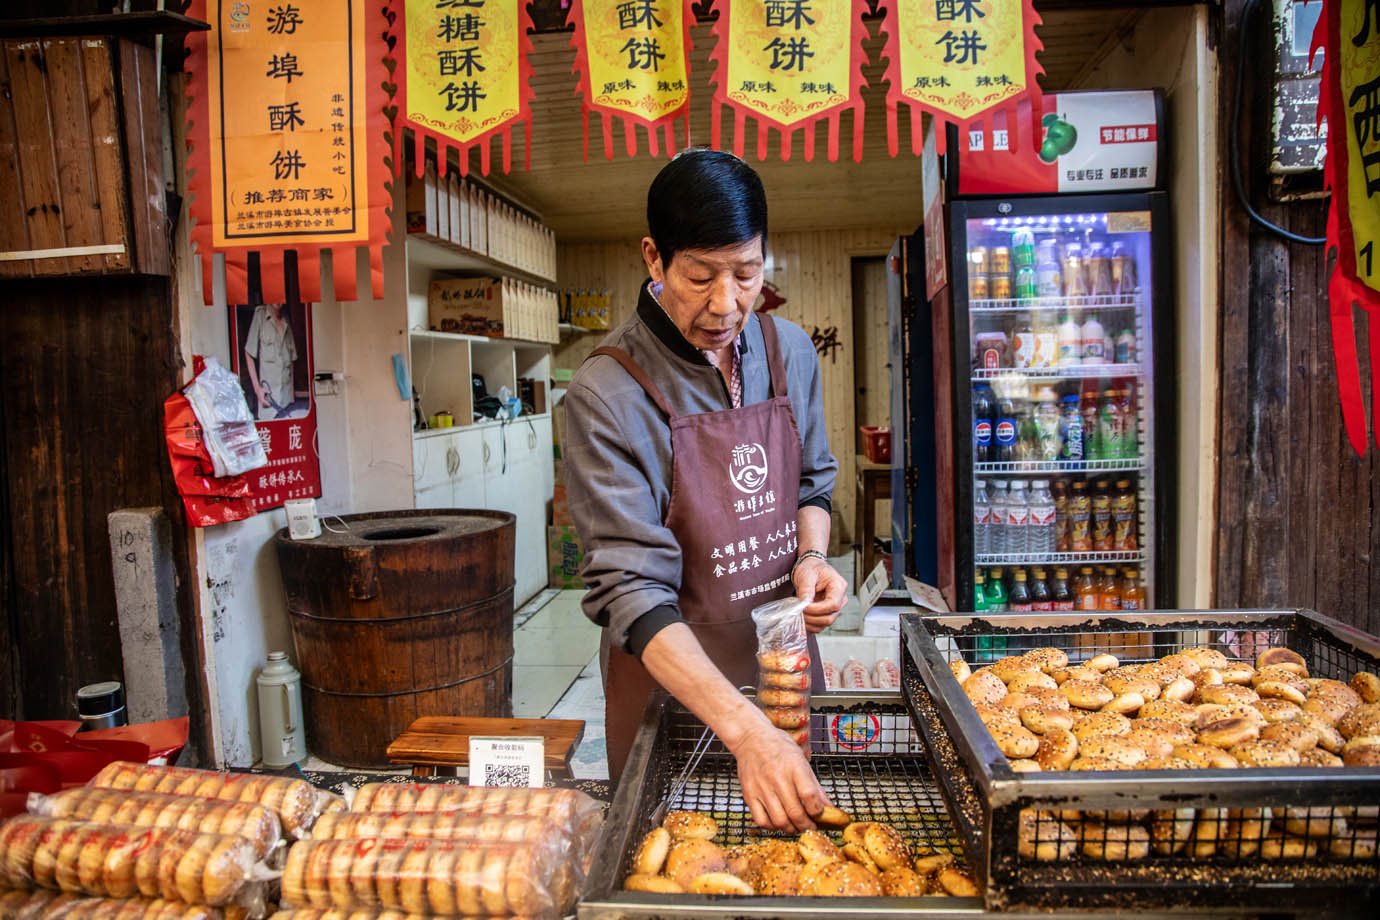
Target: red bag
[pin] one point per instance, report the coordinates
(209, 500)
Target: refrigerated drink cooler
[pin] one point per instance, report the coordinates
(1061, 401)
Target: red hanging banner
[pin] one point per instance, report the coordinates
(1349, 34)
(633, 62)
(465, 79)
(288, 143)
(788, 64)
(959, 60)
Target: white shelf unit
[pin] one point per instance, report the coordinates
(504, 466)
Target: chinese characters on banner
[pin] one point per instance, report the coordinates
(961, 60)
(632, 57)
(788, 64)
(271, 352)
(288, 143)
(465, 78)
(1349, 33)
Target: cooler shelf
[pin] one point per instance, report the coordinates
(1072, 372)
(1057, 558)
(1029, 304)
(1061, 466)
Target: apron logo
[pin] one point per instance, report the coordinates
(749, 468)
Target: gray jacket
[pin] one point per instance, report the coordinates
(617, 456)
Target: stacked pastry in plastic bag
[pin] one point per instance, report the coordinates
(444, 850)
(155, 842)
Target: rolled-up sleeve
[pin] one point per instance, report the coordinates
(618, 496)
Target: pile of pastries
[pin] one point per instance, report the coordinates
(1194, 709)
(868, 859)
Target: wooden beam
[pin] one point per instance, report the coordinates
(133, 26)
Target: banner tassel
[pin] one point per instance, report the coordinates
(343, 274)
(858, 124)
(810, 141)
(892, 130)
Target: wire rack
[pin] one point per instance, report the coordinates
(867, 756)
(1262, 837)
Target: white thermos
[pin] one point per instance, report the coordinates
(280, 712)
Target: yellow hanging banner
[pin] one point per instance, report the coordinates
(465, 76)
(633, 61)
(959, 59)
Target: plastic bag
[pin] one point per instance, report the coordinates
(833, 679)
(441, 877)
(886, 675)
(783, 667)
(854, 675)
(575, 813)
(297, 803)
(253, 822)
(109, 861)
(21, 904)
(209, 500)
(227, 424)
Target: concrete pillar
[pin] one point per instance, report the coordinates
(146, 599)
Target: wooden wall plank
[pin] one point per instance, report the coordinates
(109, 167)
(38, 172)
(14, 233)
(871, 334)
(80, 204)
(144, 143)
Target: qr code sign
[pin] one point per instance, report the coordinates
(507, 774)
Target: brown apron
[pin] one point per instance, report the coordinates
(735, 483)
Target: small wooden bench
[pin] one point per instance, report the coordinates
(444, 741)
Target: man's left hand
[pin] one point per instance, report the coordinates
(823, 589)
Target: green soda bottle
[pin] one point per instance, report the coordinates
(990, 648)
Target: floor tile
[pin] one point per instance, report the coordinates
(570, 645)
(537, 689)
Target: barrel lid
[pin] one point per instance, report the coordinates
(100, 698)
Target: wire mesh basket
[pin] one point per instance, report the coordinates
(1269, 838)
(869, 761)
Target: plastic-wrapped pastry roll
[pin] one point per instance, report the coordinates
(441, 877)
(318, 914)
(296, 802)
(102, 860)
(95, 805)
(572, 811)
(49, 905)
(451, 825)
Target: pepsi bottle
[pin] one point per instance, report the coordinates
(1004, 432)
(984, 421)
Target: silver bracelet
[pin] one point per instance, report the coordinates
(807, 554)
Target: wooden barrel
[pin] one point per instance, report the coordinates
(405, 614)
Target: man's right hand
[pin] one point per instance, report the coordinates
(779, 787)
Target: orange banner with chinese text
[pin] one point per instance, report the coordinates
(465, 78)
(958, 60)
(788, 64)
(287, 142)
(1348, 32)
(633, 61)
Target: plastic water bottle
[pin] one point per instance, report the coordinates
(1017, 518)
(982, 519)
(996, 529)
(1040, 533)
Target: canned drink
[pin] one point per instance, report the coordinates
(1027, 284)
(1000, 286)
(1023, 247)
(977, 287)
(1001, 261)
(979, 261)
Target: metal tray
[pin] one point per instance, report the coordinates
(986, 796)
(868, 759)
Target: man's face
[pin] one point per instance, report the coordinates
(708, 293)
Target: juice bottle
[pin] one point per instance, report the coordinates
(1070, 428)
(1085, 592)
(1041, 599)
(1130, 433)
(1094, 339)
(1080, 519)
(1070, 339)
(1047, 424)
(996, 593)
(1132, 591)
(1046, 341)
(1020, 600)
(1110, 433)
(1061, 590)
(1102, 535)
(1109, 589)
(1124, 517)
(1061, 516)
(1023, 344)
(979, 593)
(1092, 434)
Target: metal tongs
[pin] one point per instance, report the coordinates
(707, 738)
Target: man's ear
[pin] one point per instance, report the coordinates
(652, 258)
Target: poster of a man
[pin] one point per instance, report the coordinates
(275, 383)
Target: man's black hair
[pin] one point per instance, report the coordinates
(705, 199)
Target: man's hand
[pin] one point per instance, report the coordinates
(779, 787)
(822, 588)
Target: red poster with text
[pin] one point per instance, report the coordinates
(271, 351)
